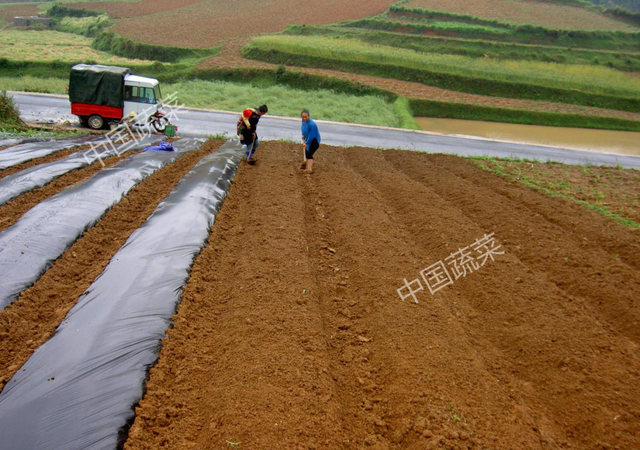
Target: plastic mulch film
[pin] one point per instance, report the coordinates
(26, 152)
(35, 177)
(30, 246)
(79, 389)
(6, 142)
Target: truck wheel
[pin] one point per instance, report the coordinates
(96, 122)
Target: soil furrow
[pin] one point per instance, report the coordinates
(549, 342)
(407, 398)
(29, 321)
(246, 360)
(586, 271)
(572, 218)
(291, 333)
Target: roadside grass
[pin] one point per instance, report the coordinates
(29, 83)
(209, 95)
(282, 100)
(9, 132)
(588, 79)
(9, 114)
(35, 45)
(287, 101)
(610, 191)
(475, 48)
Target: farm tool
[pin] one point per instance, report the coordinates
(250, 159)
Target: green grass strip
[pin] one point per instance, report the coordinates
(474, 48)
(451, 110)
(293, 52)
(524, 34)
(625, 221)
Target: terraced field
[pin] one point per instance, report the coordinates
(215, 21)
(283, 320)
(541, 13)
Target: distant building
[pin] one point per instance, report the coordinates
(30, 21)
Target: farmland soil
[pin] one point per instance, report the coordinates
(7, 13)
(32, 319)
(291, 332)
(179, 19)
(607, 187)
(554, 15)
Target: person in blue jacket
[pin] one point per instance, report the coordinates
(311, 139)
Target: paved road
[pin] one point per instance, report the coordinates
(45, 108)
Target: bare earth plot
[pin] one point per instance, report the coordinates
(546, 14)
(206, 23)
(7, 13)
(291, 333)
(119, 10)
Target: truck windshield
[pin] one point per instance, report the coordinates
(141, 94)
(156, 90)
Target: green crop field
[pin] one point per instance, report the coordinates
(476, 48)
(590, 79)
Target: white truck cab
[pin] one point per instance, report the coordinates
(141, 96)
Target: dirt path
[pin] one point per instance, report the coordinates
(230, 57)
(291, 333)
(30, 321)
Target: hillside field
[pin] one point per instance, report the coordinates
(291, 331)
(547, 14)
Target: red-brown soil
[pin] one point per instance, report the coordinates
(291, 333)
(612, 188)
(207, 23)
(548, 14)
(7, 13)
(230, 57)
(119, 10)
(32, 319)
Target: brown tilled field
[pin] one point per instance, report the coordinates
(291, 332)
(203, 24)
(7, 13)
(119, 10)
(541, 13)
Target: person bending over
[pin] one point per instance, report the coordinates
(247, 132)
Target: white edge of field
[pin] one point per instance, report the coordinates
(294, 119)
